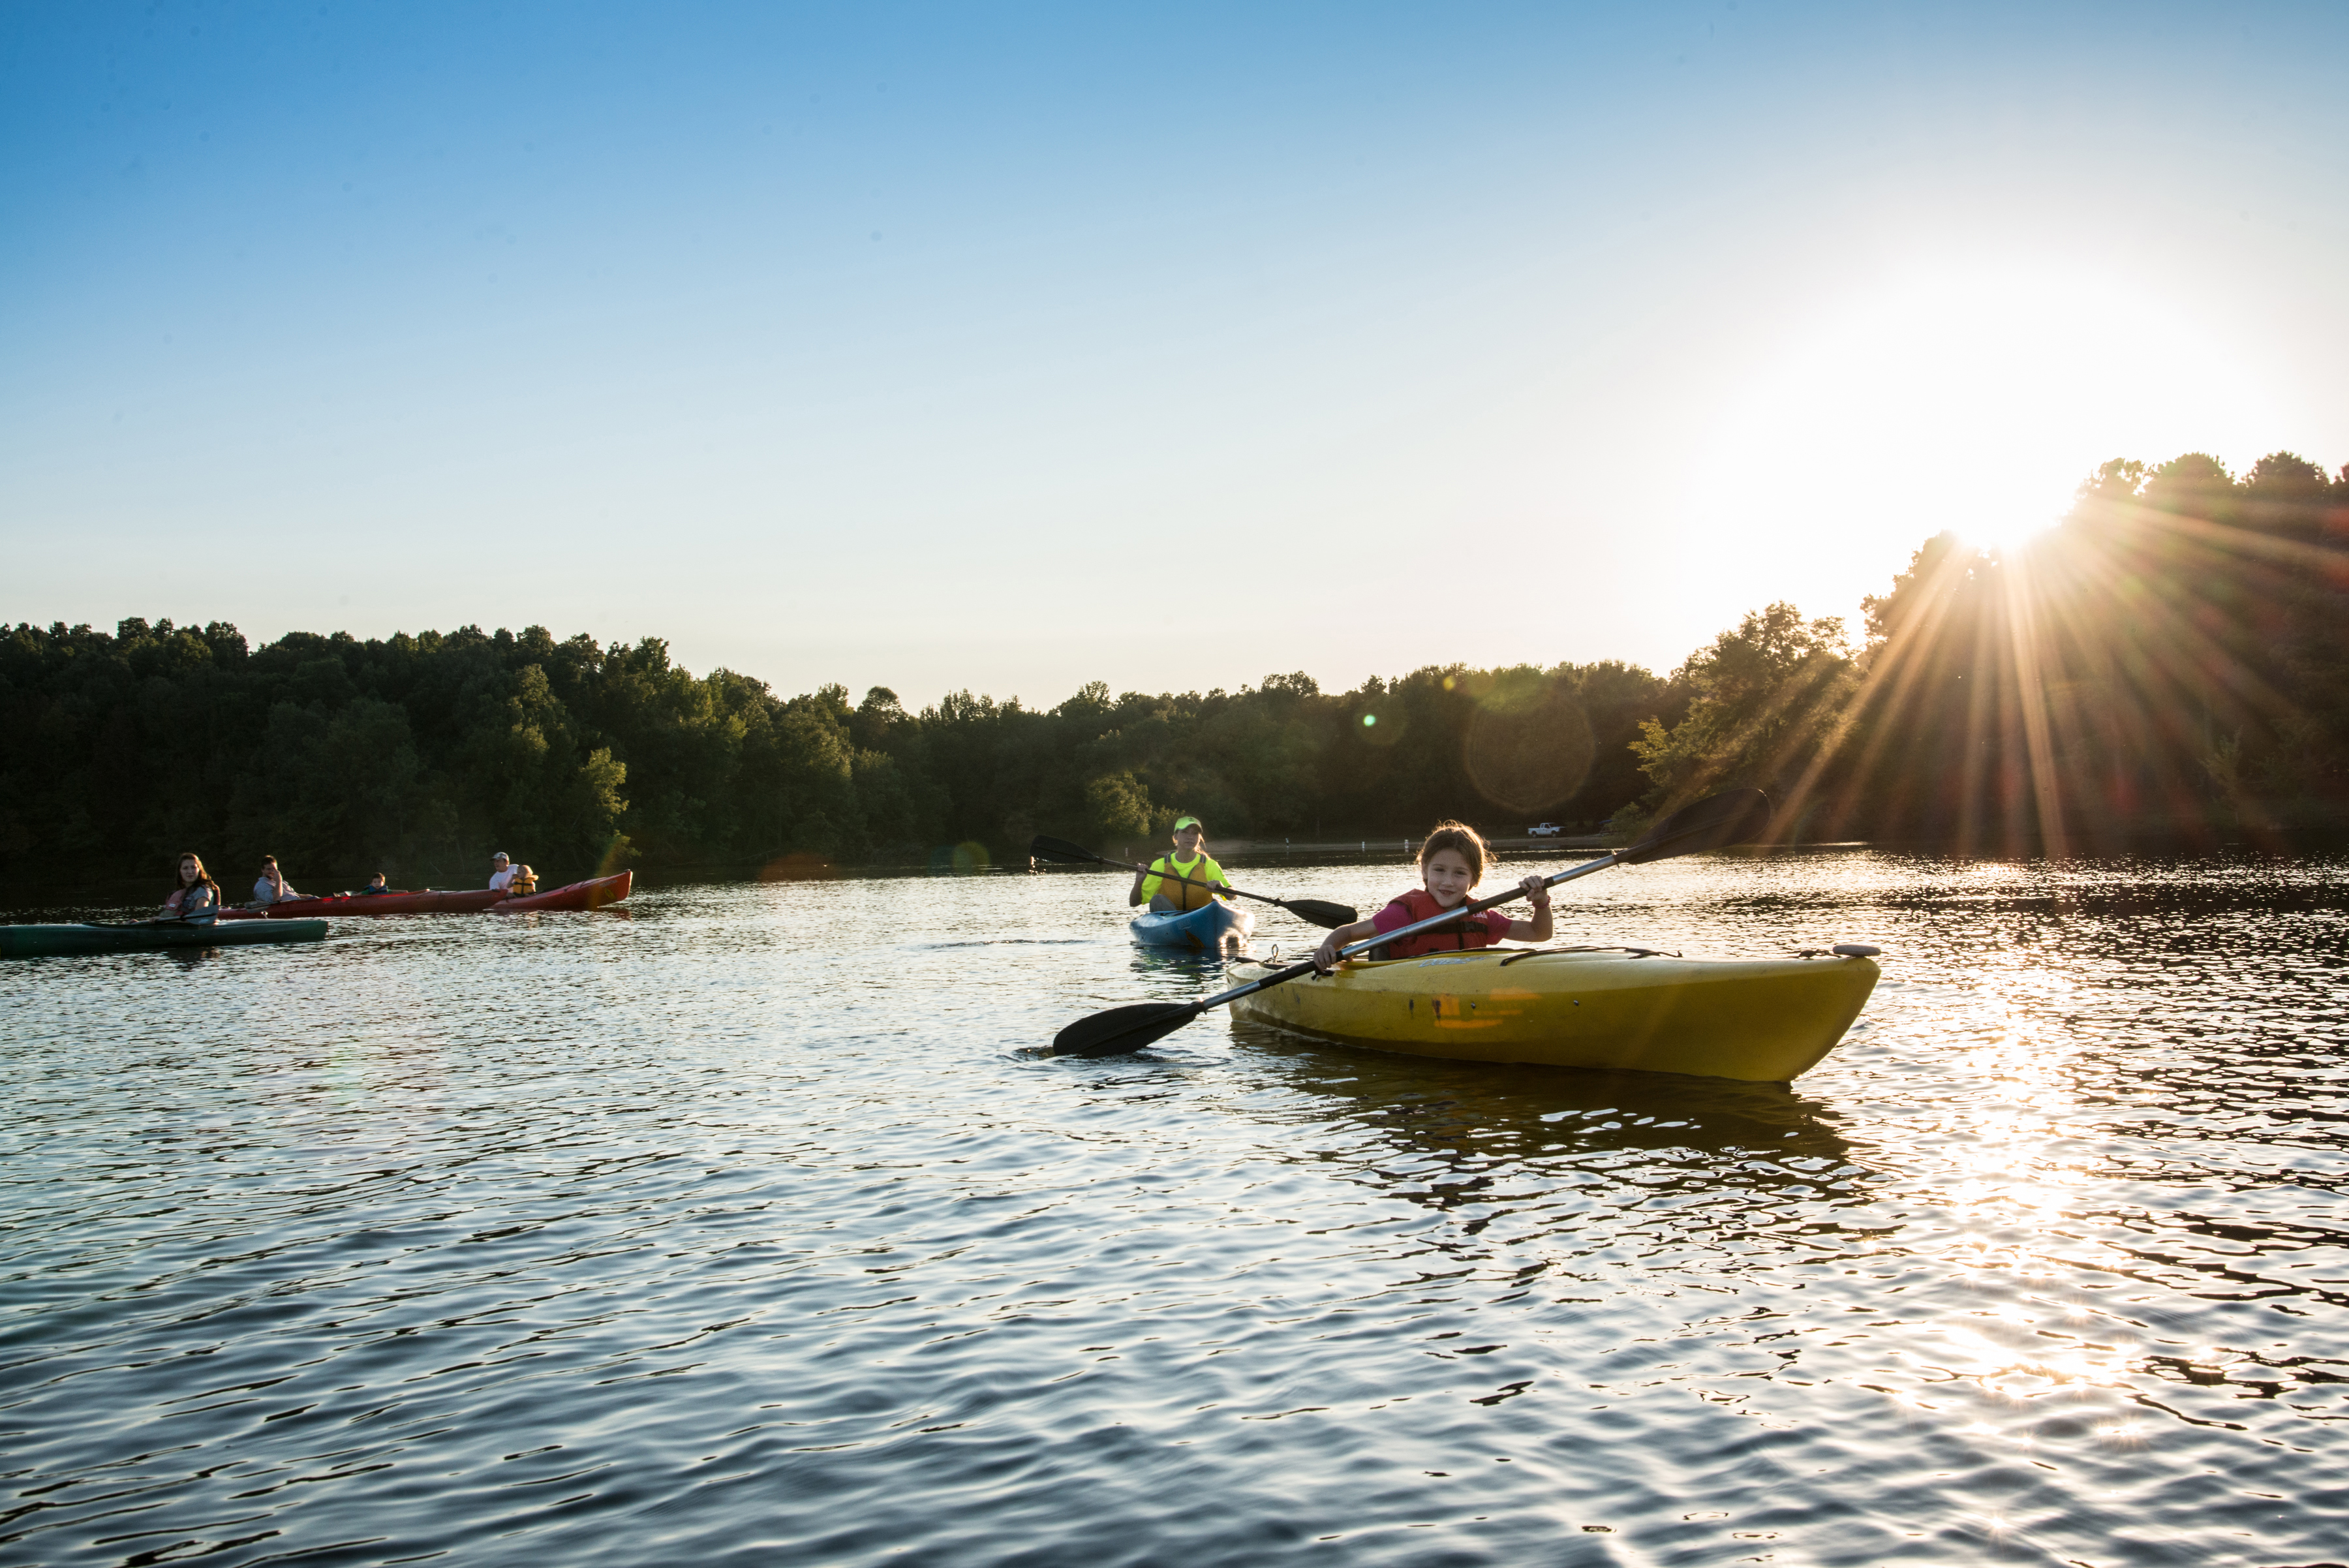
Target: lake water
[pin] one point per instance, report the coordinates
(748, 1225)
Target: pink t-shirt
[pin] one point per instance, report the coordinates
(1397, 915)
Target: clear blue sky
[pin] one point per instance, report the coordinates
(1013, 347)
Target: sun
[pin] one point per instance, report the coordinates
(1973, 398)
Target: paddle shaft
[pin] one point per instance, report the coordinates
(1295, 971)
(1171, 877)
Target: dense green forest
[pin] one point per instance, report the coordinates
(2174, 659)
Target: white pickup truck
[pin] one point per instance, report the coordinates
(1544, 830)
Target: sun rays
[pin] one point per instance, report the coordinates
(2151, 665)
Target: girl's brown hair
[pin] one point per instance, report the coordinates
(1466, 841)
(203, 879)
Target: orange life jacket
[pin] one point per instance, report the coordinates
(1469, 932)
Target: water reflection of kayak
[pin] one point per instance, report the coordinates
(1539, 1112)
(1497, 1122)
(1206, 928)
(1759, 1019)
(48, 942)
(593, 894)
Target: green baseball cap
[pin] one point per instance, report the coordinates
(1183, 822)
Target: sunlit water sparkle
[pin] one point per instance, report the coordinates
(748, 1225)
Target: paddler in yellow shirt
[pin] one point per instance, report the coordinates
(1189, 860)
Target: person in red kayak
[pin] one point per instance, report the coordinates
(270, 887)
(1451, 863)
(501, 871)
(376, 884)
(197, 896)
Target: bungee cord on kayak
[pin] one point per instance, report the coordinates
(1519, 955)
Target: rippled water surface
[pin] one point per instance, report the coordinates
(747, 1224)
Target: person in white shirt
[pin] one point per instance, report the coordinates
(501, 871)
(272, 887)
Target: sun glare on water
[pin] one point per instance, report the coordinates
(1974, 400)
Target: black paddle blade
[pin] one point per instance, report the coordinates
(1328, 917)
(1052, 849)
(1737, 816)
(1123, 1029)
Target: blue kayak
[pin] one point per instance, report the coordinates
(1200, 931)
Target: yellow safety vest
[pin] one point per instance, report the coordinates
(1185, 895)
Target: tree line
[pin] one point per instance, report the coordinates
(2173, 658)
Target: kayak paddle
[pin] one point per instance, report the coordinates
(1735, 817)
(1328, 917)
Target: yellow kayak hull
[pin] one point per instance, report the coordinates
(1758, 1019)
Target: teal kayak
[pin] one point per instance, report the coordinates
(1201, 930)
(143, 936)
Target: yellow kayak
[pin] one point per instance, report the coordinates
(1760, 1020)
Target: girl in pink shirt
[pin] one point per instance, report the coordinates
(1451, 863)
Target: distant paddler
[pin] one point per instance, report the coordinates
(197, 896)
(510, 877)
(1320, 912)
(1157, 885)
(270, 887)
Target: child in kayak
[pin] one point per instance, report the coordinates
(1451, 863)
(1191, 862)
(197, 897)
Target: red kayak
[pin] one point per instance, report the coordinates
(589, 895)
(427, 901)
